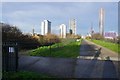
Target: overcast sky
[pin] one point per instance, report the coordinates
(27, 15)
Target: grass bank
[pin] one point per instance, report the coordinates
(109, 45)
(24, 75)
(68, 48)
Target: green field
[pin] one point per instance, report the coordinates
(68, 48)
(109, 45)
(24, 75)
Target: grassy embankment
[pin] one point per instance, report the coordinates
(112, 46)
(68, 48)
(24, 75)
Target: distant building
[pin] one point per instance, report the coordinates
(33, 32)
(45, 27)
(92, 29)
(110, 35)
(63, 31)
(72, 26)
(101, 21)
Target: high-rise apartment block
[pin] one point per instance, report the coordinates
(101, 21)
(45, 27)
(72, 26)
(63, 31)
(33, 32)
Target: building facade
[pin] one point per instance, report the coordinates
(63, 31)
(110, 35)
(101, 21)
(72, 26)
(33, 32)
(45, 27)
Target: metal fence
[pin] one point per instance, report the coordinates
(9, 56)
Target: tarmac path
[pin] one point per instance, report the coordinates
(87, 65)
(89, 50)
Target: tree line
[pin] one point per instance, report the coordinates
(12, 33)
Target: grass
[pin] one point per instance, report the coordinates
(109, 45)
(23, 75)
(68, 48)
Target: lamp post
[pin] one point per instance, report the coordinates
(50, 47)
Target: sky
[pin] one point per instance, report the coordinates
(60, 0)
(27, 15)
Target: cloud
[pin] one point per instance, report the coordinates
(49, 11)
(1, 11)
(60, 0)
(31, 14)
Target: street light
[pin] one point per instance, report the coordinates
(50, 47)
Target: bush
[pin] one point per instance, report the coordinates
(52, 38)
(13, 34)
(10, 33)
(97, 36)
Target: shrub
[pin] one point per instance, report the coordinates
(97, 36)
(13, 34)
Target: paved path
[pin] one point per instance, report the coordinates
(72, 68)
(60, 67)
(88, 50)
(69, 68)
